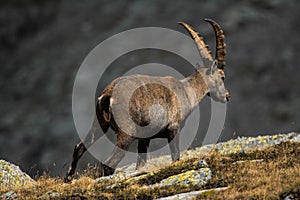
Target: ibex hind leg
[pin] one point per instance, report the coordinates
(123, 142)
(80, 149)
(143, 146)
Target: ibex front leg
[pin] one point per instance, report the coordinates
(122, 146)
(173, 140)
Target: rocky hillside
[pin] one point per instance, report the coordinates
(44, 42)
(264, 167)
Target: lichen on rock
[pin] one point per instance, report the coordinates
(192, 177)
(12, 175)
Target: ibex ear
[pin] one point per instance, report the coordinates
(213, 67)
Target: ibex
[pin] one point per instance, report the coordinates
(177, 97)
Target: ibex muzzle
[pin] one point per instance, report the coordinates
(177, 103)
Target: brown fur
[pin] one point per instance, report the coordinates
(177, 94)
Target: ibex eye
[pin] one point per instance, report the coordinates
(223, 78)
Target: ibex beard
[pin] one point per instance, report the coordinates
(161, 104)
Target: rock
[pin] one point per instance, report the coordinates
(111, 178)
(243, 144)
(9, 195)
(12, 175)
(49, 195)
(248, 161)
(191, 195)
(202, 164)
(117, 177)
(192, 177)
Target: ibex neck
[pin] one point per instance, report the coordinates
(198, 86)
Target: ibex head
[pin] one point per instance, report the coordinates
(214, 74)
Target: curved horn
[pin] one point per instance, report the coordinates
(220, 44)
(202, 47)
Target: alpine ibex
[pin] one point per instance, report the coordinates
(177, 97)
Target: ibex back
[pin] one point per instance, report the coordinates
(178, 98)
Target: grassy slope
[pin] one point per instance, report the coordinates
(275, 174)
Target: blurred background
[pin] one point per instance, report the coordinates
(43, 43)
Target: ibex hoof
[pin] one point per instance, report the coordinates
(68, 179)
(106, 170)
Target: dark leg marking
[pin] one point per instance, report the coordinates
(78, 152)
(80, 149)
(143, 146)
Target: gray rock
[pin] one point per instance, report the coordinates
(190, 195)
(9, 195)
(192, 177)
(12, 175)
(49, 195)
